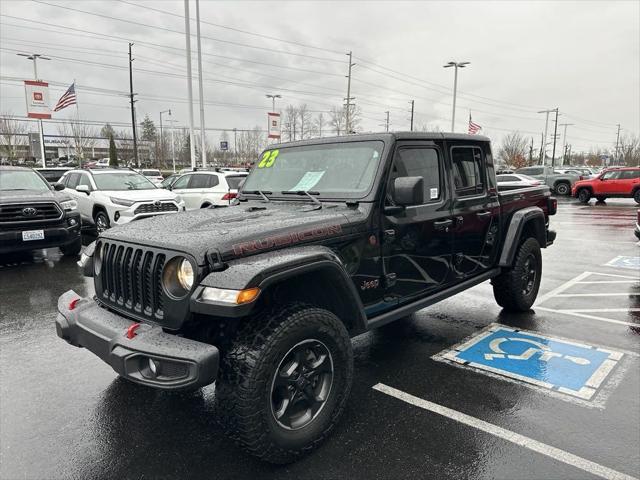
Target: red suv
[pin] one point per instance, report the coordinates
(620, 182)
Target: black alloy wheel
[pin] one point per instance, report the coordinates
(301, 384)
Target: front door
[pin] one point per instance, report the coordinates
(417, 242)
(476, 209)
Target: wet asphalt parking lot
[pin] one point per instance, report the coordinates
(414, 411)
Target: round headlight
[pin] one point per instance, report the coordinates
(185, 274)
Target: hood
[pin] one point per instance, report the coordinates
(241, 230)
(141, 195)
(22, 196)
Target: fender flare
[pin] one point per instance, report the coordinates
(514, 232)
(268, 269)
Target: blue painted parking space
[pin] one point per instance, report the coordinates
(559, 365)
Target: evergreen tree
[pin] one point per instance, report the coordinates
(113, 153)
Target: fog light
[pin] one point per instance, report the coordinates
(154, 366)
(73, 222)
(116, 217)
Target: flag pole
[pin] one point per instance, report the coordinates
(78, 122)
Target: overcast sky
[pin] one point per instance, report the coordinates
(583, 57)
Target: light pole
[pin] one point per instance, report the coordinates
(187, 36)
(161, 137)
(543, 155)
(564, 141)
(456, 66)
(34, 57)
(273, 101)
(173, 143)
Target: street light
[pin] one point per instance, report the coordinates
(273, 100)
(161, 138)
(34, 57)
(456, 65)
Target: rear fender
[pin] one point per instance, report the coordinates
(530, 220)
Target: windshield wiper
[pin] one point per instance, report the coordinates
(308, 193)
(259, 192)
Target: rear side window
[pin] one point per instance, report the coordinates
(467, 170)
(203, 181)
(531, 171)
(419, 162)
(629, 174)
(507, 178)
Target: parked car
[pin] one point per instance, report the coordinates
(34, 214)
(108, 197)
(332, 238)
(611, 183)
(516, 180)
(170, 180)
(202, 189)
(52, 175)
(582, 172)
(154, 175)
(560, 183)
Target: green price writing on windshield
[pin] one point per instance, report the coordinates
(268, 158)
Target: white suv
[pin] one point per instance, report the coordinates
(206, 188)
(109, 197)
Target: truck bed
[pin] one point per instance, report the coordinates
(516, 198)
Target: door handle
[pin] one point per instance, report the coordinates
(483, 215)
(443, 224)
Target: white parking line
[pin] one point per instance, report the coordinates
(623, 294)
(513, 437)
(591, 317)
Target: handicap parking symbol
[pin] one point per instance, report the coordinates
(555, 364)
(624, 261)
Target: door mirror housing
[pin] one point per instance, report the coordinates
(83, 188)
(58, 186)
(408, 191)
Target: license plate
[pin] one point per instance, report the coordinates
(32, 235)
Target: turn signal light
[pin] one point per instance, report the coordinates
(248, 295)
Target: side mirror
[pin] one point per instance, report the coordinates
(83, 188)
(58, 186)
(408, 191)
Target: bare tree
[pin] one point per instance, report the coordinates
(13, 134)
(305, 121)
(629, 150)
(337, 119)
(290, 123)
(80, 135)
(250, 144)
(318, 124)
(513, 150)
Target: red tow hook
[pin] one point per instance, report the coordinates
(73, 303)
(131, 331)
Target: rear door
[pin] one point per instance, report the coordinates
(629, 181)
(417, 242)
(476, 209)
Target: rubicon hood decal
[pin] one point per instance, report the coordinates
(289, 238)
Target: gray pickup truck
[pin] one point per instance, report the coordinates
(560, 183)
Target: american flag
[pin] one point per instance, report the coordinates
(473, 127)
(69, 98)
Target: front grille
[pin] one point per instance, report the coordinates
(29, 212)
(156, 207)
(131, 278)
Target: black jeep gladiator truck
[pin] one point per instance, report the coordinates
(35, 214)
(329, 238)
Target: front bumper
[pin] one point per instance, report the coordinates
(56, 235)
(180, 363)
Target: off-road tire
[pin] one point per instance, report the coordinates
(244, 390)
(101, 221)
(636, 196)
(563, 188)
(73, 249)
(510, 287)
(584, 195)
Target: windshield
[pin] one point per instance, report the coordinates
(122, 181)
(343, 170)
(22, 180)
